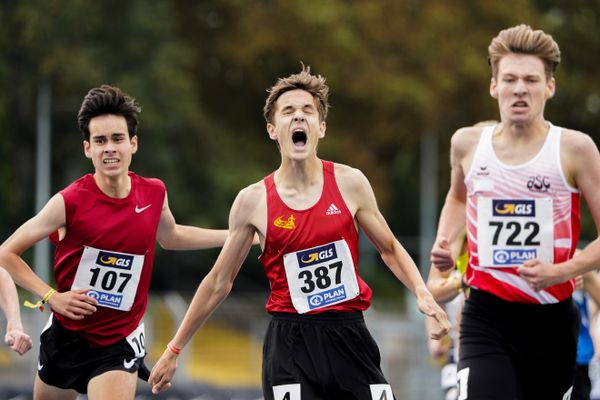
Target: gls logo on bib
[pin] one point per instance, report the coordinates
(316, 255)
(115, 260)
(513, 208)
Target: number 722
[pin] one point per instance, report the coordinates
(515, 227)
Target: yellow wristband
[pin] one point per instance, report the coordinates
(40, 304)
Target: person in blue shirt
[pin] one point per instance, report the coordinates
(588, 289)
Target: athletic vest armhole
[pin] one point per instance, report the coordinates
(54, 237)
(269, 181)
(328, 171)
(330, 182)
(484, 140)
(556, 133)
(70, 196)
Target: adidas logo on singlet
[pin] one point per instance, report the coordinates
(332, 210)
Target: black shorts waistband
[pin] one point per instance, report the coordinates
(483, 297)
(328, 317)
(67, 333)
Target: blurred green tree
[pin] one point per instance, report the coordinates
(397, 70)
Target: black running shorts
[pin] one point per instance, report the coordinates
(516, 351)
(330, 355)
(67, 361)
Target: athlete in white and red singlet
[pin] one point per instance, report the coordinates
(516, 213)
(516, 187)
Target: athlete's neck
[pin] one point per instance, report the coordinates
(517, 144)
(299, 174)
(526, 132)
(300, 184)
(114, 186)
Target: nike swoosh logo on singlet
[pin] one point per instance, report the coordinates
(139, 210)
(129, 364)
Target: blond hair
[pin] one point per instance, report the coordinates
(521, 39)
(304, 80)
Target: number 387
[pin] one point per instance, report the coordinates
(319, 278)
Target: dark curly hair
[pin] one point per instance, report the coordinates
(104, 100)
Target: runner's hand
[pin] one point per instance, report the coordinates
(540, 275)
(441, 257)
(74, 304)
(163, 371)
(440, 325)
(18, 340)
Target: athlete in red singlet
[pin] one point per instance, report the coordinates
(516, 187)
(105, 226)
(328, 220)
(98, 253)
(307, 214)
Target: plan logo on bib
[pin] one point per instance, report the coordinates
(106, 299)
(513, 256)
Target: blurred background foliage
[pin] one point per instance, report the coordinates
(397, 70)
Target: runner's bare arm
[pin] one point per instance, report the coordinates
(216, 285)
(453, 215)
(446, 285)
(359, 196)
(591, 284)
(173, 236)
(584, 167)
(581, 163)
(443, 285)
(15, 336)
(72, 304)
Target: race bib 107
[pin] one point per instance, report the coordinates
(113, 277)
